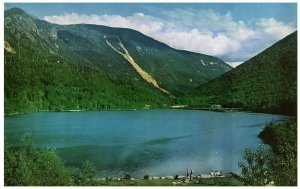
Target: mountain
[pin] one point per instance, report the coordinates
(37, 77)
(265, 83)
(174, 70)
(123, 53)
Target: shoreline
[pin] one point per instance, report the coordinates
(229, 179)
(138, 109)
(177, 177)
(171, 107)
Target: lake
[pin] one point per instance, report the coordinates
(154, 142)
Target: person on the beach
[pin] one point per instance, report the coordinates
(190, 174)
(187, 173)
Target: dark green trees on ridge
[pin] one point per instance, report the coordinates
(265, 83)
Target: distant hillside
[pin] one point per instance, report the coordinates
(265, 83)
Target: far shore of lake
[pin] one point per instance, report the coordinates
(178, 107)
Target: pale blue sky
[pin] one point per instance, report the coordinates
(233, 32)
(286, 12)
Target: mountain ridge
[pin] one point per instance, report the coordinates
(154, 58)
(84, 44)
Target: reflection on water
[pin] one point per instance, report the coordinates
(154, 142)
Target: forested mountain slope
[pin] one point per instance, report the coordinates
(266, 83)
(102, 47)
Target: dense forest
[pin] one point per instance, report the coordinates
(265, 83)
(37, 81)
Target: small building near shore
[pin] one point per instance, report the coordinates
(179, 106)
(216, 106)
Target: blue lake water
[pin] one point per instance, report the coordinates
(154, 142)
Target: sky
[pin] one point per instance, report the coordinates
(233, 32)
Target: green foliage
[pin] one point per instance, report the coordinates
(28, 166)
(257, 171)
(281, 135)
(88, 170)
(264, 83)
(84, 175)
(279, 166)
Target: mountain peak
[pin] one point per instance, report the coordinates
(29, 29)
(16, 11)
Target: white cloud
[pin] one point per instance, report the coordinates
(138, 21)
(273, 27)
(196, 41)
(203, 31)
